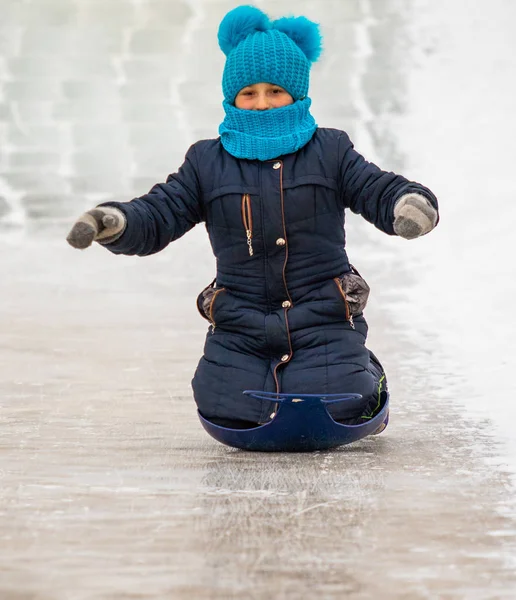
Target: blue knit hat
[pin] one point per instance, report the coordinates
(259, 50)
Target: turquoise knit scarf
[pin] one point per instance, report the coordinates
(267, 134)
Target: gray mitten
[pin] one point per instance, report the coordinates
(103, 224)
(414, 216)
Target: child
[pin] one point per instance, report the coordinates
(286, 305)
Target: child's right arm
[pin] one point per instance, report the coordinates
(147, 224)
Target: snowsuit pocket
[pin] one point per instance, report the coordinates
(354, 290)
(206, 301)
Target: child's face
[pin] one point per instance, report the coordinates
(262, 96)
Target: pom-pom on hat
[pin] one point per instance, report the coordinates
(258, 50)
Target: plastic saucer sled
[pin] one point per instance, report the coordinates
(301, 424)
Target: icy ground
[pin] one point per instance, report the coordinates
(109, 487)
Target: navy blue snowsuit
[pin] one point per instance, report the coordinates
(280, 322)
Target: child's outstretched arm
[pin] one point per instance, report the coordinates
(392, 203)
(147, 224)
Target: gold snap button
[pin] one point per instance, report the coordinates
(284, 358)
(280, 242)
(276, 165)
(286, 304)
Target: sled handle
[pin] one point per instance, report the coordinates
(295, 398)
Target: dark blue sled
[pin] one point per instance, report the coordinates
(301, 424)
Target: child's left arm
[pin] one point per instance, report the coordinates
(392, 203)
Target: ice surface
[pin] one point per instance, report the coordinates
(109, 487)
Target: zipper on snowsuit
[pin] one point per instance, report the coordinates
(212, 320)
(290, 352)
(247, 220)
(349, 316)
